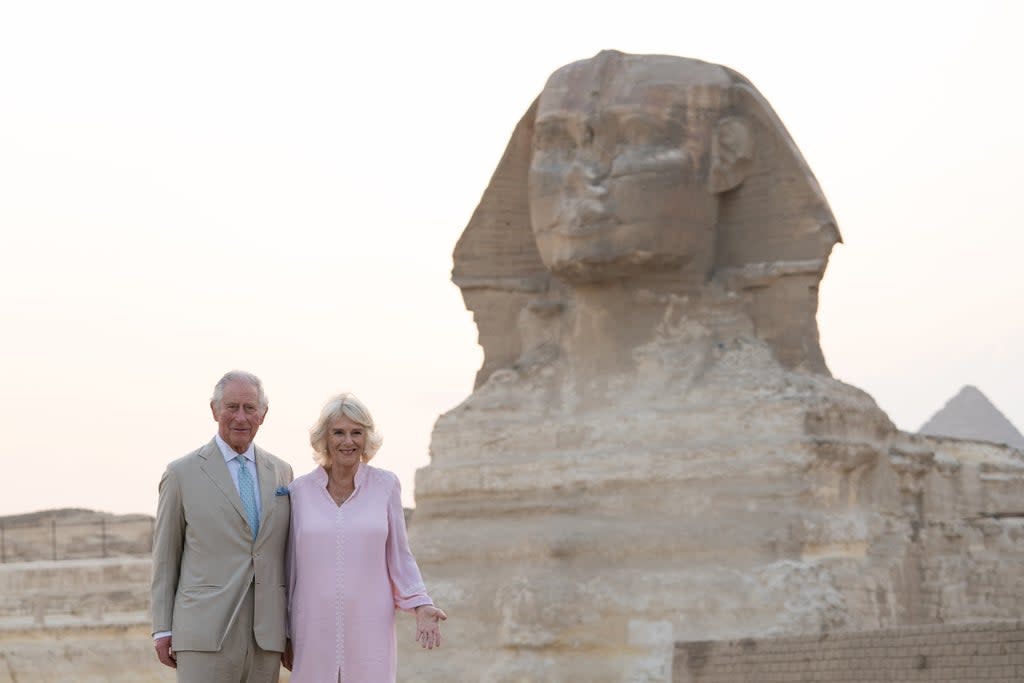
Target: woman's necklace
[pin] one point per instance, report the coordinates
(339, 495)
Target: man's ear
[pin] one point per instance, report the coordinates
(732, 154)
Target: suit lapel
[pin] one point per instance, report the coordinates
(215, 468)
(268, 483)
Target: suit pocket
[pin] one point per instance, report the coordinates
(201, 588)
(191, 595)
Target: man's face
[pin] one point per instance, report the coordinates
(617, 181)
(238, 415)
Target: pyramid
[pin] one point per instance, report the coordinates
(970, 415)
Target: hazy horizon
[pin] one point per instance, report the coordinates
(208, 186)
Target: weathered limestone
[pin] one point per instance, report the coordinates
(70, 534)
(655, 450)
(113, 653)
(74, 592)
(634, 181)
(79, 621)
(987, 652)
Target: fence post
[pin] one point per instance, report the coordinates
(53, 536)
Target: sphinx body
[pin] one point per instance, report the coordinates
(655, 450)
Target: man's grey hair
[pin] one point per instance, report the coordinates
(239, 376)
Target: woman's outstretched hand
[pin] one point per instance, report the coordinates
(428, 626)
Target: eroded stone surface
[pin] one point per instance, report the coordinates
(670, 178)
(73, 534)
(79, 621)
(655, 450)
(113, 653)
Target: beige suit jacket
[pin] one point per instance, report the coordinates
(204, 556)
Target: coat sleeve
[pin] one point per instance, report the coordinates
(289, 566)
(168, 542)
(406, 582)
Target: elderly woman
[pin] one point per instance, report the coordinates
(349, 562)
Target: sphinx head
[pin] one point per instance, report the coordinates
(629, 156)
(666, 172)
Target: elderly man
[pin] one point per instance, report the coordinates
(218, 594)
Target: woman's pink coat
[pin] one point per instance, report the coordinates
(349, 569)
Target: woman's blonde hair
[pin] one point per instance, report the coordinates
(351, 407)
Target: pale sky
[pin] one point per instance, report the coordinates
(191, 187)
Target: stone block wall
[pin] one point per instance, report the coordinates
(80, 654)
(79, 621)
(73, 534)
(985, 652)
(78, 592)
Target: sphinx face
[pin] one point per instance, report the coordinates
(618, 178)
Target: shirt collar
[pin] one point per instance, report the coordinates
(229, 453)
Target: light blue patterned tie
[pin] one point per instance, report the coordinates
(247, 491)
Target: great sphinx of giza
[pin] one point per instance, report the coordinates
(655, 450)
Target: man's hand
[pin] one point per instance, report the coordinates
(287, 655)
(165, 652)
(428, 626)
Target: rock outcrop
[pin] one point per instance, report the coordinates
(655, 450)
(72, 534)
(84, 621)
(79, 621)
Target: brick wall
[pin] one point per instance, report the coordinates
(989, 652)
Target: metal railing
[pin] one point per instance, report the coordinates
(70, 539)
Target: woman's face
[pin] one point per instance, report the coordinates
(617, 182)
(346, 441)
